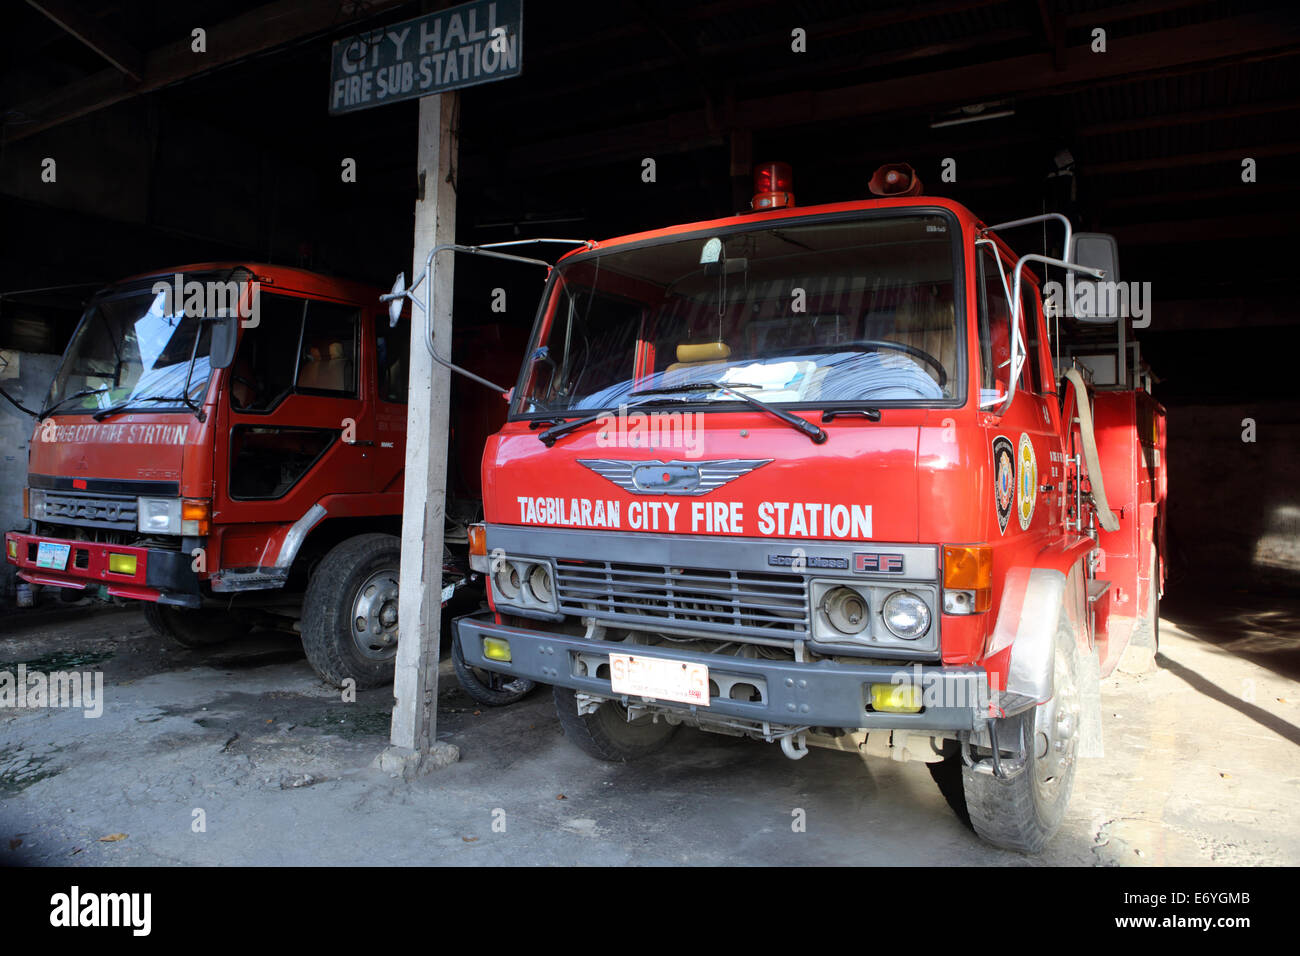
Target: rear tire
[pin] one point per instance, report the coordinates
(488, 687)
(1024, 812)
(607, 734)
(194, 628)
(1139, 656)
(349, 613)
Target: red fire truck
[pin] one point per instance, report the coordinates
(825, 477)
(225, 442)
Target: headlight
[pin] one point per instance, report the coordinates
(847, 610)
(506, 581)
(158, 515)
(526, 585)
(905, 615)
(539, 582)
(36, 501)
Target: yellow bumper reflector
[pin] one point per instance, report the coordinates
(121, 563)
(13, 548)
(496, 649)
(896, 698)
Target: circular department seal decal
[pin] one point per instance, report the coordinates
(1004, 479)
(1027, 481)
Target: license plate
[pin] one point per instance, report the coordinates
(53, 556)
(655, 677)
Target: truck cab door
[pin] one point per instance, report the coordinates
(295, 397)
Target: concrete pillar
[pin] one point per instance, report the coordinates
(414, 746)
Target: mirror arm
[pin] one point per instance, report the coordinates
(489, 250)
(1017, 314)
(1030, 220)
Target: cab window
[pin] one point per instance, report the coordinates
(262, 374)
(327, 362)
(298, 345)
(393, 358)
(994, 328)
(1030, 377)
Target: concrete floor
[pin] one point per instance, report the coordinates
(1201, 768)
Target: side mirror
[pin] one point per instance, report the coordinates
(225, 335)
(1087, 302)
(395, 302)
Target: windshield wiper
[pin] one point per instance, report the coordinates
(818, 435)
(82, 394)
(549, 436)
(103, 413)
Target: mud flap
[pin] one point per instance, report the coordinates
(1090, 744)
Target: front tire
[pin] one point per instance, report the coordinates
(488, 687)
(1024, 812)
(194, 628)
(607, 734)
(349, 617)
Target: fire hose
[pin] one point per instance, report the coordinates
(1092, 461)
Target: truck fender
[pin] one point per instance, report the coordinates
(297, 534)
(1032, 604)
(1027, 620)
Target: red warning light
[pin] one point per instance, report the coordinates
(773, 183)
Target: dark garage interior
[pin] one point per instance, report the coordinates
(1180, 139)
(240, 159)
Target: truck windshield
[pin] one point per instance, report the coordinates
(128, 351)
(858, 311)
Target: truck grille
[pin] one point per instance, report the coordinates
(94, 511)
(770, 608)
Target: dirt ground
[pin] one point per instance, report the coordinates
(240, 755)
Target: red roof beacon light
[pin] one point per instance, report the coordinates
(895, 179)
(772, 185)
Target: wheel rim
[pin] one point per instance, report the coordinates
(374, 616)
(1056, 733)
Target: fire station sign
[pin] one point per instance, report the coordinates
(463, 46)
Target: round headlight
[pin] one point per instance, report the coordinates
(539, 582)
(905, 615)
(846, 609)
(506, 581)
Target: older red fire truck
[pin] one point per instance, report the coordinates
(813, 476)
(225, 442)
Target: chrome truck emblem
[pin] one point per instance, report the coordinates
(672, 477)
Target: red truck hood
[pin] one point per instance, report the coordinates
(744, 474)
(137, 447)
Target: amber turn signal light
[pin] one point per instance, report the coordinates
(968, 568)
(478, 548)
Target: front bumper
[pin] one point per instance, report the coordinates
(163, 576)
(824, 694)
